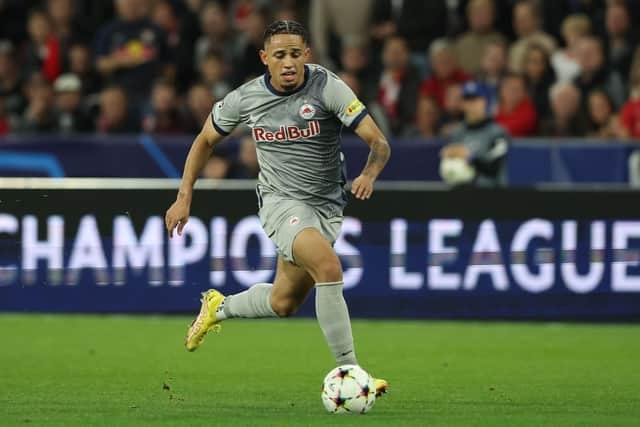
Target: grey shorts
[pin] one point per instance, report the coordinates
(282, 219)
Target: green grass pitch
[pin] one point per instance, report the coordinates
(130, 371)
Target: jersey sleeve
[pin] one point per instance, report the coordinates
(341, 101)
(225, 115)
(490, 157)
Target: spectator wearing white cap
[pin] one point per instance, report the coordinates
(70, 114)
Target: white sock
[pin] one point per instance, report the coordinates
(333, 317)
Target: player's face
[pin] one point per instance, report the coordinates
(285, 56)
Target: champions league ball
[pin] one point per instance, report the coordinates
(348, 389)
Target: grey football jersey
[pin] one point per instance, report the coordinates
(297, 134)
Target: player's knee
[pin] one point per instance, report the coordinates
(329, 271)
(284, 307)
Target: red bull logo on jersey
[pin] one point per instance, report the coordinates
(287, 133)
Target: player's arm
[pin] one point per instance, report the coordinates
(178, 213)
(379, 154)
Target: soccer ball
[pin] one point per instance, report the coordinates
(456, 171)
(348, 389)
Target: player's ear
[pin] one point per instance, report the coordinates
(263, 56)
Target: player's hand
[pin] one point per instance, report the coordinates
(455, 151)
(177, 215)
(362, 187)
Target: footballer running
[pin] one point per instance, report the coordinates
(296, 112)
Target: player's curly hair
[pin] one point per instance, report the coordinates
(286, 27)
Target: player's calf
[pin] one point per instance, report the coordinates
(285, 307)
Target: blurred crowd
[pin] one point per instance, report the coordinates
(558, 68)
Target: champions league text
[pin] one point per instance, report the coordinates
(533, 256)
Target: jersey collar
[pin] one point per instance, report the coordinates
(273, 90)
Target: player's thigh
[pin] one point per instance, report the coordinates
(313, 252)
(292, 283)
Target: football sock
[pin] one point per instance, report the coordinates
(333, 316)
(252, 303)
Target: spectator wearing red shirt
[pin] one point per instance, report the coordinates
(630, 113)
(630, 118)
(4, 123)
(43, 49)
(516, 111)
(446, 71)
(397, 88)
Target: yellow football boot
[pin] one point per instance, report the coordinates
(206, 320)
(381, 386)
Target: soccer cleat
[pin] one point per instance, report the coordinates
(206, 320)
(381, 386)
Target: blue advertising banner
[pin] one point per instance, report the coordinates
(529, 161)
(560, 257)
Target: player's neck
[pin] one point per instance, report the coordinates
(275, 89)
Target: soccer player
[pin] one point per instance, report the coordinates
(296, 112)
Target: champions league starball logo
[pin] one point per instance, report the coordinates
(307, 111)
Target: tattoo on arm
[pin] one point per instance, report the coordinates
(378, 157)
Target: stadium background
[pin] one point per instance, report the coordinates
(99, 102)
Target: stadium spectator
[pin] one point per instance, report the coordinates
(70, 115)
(344, 21)
(248, 65)
(354, 59)
(131, 50)
(163, 117)
(445, 71)
(114, 115)
(452, 114)
(418, 22)
(427, 123)
(493, 69)
(398, 84)
(81, 65)
(595, 73)
(212, 75)
(566, 120)
(39, 115)
(565, 61)
(217, 35)
(163, 15)
(620, 38)
(66, 25)
(287, 11)
(10, 80)
(240, 10)
(471, 46)
(188, 34)
(554, 12)
(43, 53)
(199, 103)
(539, 77)
(478, 148)
(526, 22)
(630, 113)
(516, 111)
(603, 122)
